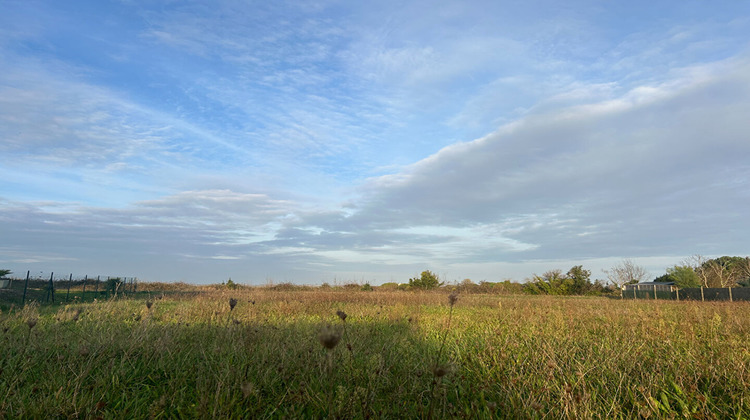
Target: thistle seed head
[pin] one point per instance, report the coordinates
(440, 371)
(232, 303)
(329, 337)
(248, 389)
(31, 322)
(341, 315)
(453, 297)
(148, 304)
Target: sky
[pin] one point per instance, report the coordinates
(339, 141)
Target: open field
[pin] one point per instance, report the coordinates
(398, 356)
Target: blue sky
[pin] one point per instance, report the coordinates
(339, 141)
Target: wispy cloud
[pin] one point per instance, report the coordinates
(311, 140)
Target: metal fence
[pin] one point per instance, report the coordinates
(50, 289)
(693, 293)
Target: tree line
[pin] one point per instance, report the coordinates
(696, 271)
(699, 271)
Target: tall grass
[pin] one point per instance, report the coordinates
(509, 357)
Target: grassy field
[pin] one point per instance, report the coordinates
(392, 354)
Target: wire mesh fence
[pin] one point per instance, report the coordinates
(49, 288)
(693, 293)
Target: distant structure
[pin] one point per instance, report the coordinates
(651, 286)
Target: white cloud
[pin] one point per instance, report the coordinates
(236, 137)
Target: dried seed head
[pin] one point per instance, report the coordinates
(341, 314)
(31, 322)
(440, 371)
(329, 337)
(248, 389)
(453, 297)
(77, 314)
(232, 303)
(148, 304)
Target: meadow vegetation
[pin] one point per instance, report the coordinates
(265, 353)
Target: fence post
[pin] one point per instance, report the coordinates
(96, 291)
(655, 292)
(676, 290)
(635, 296)
(51, 288)
(730, 293)
(83, 296)
(703, 299)
(25, 287)
(69, 283)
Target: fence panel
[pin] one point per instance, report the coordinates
(692, 293)
(51, 288)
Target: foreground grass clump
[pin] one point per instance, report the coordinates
(261, 353)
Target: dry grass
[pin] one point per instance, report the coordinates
(506, 357)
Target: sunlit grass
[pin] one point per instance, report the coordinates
(507, 357)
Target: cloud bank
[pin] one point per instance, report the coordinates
(307, 143)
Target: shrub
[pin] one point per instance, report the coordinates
(427, 280)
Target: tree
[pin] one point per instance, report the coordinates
(720, 272)
(723, 271)
(696, 262)
(684, 276)
(549, 283)
(580, 280)
(624, 273)
(577, 281)
(427, 280)
(745, 273)
(4, 273)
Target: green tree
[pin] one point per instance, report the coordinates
(4, 273)
(427, 280)
(720, 272)
(579, 280)
(683, 276)
(231, 285)
(549, 283)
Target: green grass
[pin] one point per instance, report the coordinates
(508, 357)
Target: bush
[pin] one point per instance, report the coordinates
(428, 280)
